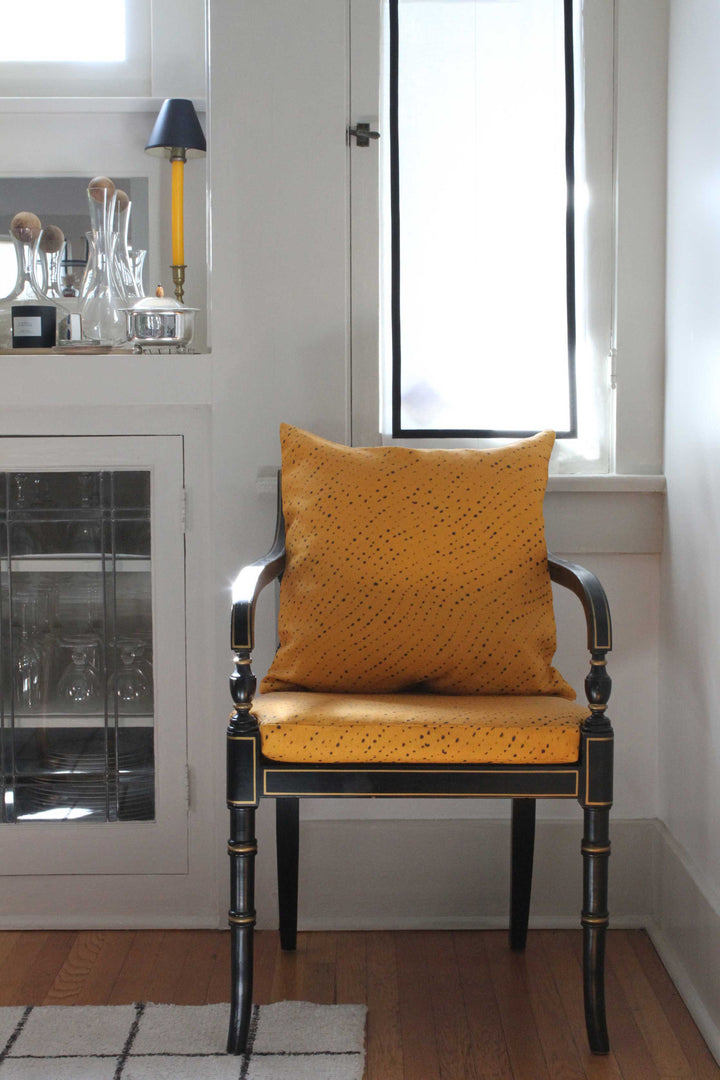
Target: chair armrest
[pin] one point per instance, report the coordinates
(592, 596)
(249, 584)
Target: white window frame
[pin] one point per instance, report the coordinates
(593, 451)
(129, 78)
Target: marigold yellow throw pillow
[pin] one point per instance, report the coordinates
(415, 569)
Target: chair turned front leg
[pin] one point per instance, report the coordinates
(521, 858)
(596, 852)
(242, 848)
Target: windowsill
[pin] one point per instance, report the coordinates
(610, 515)
(607, 482)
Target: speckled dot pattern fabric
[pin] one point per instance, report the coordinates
(415, 569)
(422, 729)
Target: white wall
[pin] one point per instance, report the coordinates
(279, 174)
(279, 178)
(689, 914)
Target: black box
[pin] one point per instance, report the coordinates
(33, 326)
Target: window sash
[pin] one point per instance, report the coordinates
(130, 77)
(401, 429)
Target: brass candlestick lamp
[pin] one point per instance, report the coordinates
(177, 134)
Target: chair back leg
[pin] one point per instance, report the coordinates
(287, 820)
(521, 859)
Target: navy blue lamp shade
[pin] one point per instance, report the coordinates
(177, 125)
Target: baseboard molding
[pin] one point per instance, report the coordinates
(83, 920)
(686, 933)
(454, 874)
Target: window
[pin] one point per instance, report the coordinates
(481, 222)
(493, 224)
(81, 48)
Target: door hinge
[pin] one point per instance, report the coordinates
(612, 366)
(183, 510)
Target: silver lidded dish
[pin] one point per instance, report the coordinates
(159, 320)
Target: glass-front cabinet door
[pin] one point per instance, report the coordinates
(92, 674)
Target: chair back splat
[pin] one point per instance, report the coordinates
(416, 642)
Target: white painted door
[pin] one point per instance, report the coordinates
(93, 728)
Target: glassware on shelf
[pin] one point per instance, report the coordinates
(25, 228)
(85, 536)
(22, 537)
(73, 269)
(103, 321)
(46, 260)
(128, 684)
(137, 262)
(128, 284)
(80, 687)
(26, 654)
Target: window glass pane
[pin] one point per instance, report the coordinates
(75, 31)
(481, 313)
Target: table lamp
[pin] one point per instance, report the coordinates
(177, 134)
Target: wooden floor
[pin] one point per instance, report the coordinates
(441, 1005)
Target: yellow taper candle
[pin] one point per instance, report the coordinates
(178, 244)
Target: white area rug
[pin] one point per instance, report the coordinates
(293, 1040)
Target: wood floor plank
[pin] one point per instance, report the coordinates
(266, 948)
(288, 977)
(166, 976)
(8, 940)
(91, 968)
(670, 1060)
(481, 1009)
(509, 978)
(420, 1053)
(219, 987)
(141, 961)
(558, 1045)
(48, 962)
(702, 1063)
(18, 961)
(384, 1049)
(351, 972)
(444, 990)
(318, 979)
(197, 968)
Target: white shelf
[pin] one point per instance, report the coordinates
(79, 721)
(77, 564)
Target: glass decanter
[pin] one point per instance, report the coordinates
(123, 268)
(103, 321)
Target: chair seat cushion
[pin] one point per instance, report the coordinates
(309, 728)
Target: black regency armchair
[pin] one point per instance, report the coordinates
(433, 530)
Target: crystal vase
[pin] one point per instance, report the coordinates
(125, 277)
(103, 321)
